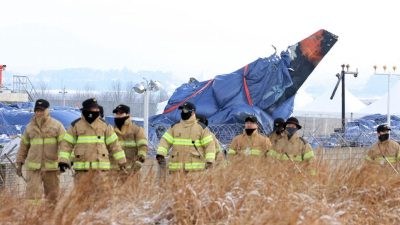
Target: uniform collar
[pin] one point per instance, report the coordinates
(255, 133)
(189, 122)
(125, 126)
(294, 137)
(95, 122)
(384, 142)
(46, 119)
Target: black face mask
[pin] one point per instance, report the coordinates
(249, 131)
(120, 121)
(383, 137)
(279, 129)
(90, 116)
(291, 131)
(186, 116)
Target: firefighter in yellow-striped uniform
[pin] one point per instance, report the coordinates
(292, 147)
(92, 141)
(192, 143)
(278, 131)
(219, 154)
(384, 151)
(131, 138)
(38, 152)
(250, 142)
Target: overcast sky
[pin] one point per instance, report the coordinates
(194, 38)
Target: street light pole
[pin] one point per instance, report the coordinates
(146, 111)
(145, 88)
(389, 75)
(341, 77)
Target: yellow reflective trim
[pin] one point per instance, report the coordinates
(206, 140)
(210, 155)
(231, 152)
(72, 156)
(69, 138)
(255, 152)
(308, 155)
(380, 159)
(111, 139)
(195, 166)
(391, 159)
(61, 137)
(142, 142)
(25, 140)
(92, 165)
(51, 165)
(119, 155)
(272, 153)
(168, 138)
(41, 141)
(368, 158)
(33, 165)
(90, 139)
(283, 156)
(185, 141)
(175, 166)
(162, 151)
(186, 166)
(65, 155)
(127, 143)
(219, 149)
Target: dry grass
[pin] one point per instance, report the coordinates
(245, 192)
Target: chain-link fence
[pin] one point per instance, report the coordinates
(333, 148)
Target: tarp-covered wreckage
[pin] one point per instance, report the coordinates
(264, 88)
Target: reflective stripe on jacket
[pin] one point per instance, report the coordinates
(133, 140)
(295, 148)
(389, 148)
(39, 144)
(256, 144)
(91, 145)
(192, 146)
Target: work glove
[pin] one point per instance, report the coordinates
(160, 159)
(209, 165)
(19, 169)
(63, 166)
(141, 159)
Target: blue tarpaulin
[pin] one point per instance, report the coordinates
(15, 117)
(265, 87)
(223, 100)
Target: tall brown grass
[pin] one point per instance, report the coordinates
(247, 191)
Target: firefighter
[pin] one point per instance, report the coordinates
(293, 148)
(250, 142)
(218, 149)
(38, 153)
(92, 141)
(131, 138)
(277, 133)
(193, 148)
(384, 151)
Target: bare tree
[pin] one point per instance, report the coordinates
(116, 88)
(43, 90)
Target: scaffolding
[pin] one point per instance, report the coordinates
(22, 84)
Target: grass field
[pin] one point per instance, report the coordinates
(247, 191)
